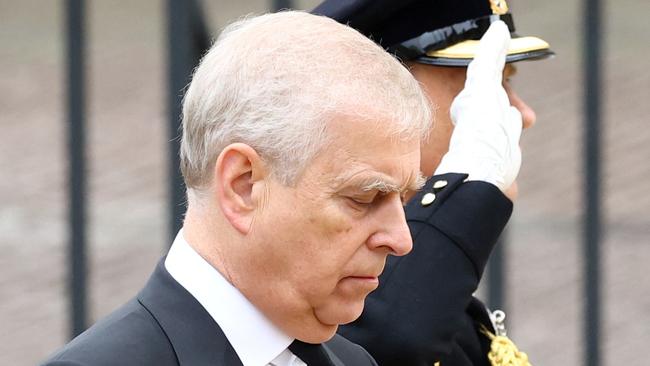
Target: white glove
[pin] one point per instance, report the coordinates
(485, 141)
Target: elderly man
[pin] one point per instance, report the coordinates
(424, 311)
(295, 168)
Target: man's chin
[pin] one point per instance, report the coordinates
(320, 334)
(328, 318)
(337, 314)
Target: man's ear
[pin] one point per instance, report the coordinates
(237, 168)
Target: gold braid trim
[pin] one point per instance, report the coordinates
(503, 352)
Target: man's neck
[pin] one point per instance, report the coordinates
(206, 235)
(237, 317)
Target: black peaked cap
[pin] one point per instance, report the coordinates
(389, 22)
(437, 32)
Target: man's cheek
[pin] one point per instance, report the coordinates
(338, 218)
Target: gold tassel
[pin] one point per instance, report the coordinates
(503, 352)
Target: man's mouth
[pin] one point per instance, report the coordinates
(365, 279)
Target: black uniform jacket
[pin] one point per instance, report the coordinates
(164, 326)
(423, 311)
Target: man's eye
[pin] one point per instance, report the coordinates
(362, 201)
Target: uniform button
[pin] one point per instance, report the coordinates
(427, 199)
(440, 184)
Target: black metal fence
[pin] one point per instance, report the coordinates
(188, 38)
(76, 104)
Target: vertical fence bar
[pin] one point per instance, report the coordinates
(496, 275)
(75, 74)
(592, 216)
(187, 38)
(281, 4)
(179, 68)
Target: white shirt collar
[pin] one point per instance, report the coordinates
(255, 339)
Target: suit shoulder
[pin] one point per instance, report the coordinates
(348, 352)
(128, 336)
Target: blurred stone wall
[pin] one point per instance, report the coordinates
(127, 173)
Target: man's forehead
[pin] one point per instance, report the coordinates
(509, 68)
(359, 150)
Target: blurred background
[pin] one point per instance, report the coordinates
(127, 173)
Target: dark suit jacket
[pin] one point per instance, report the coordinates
(423, 310)
(165, 325)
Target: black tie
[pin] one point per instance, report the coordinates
(311, 354)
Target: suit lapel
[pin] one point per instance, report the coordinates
(333, 358)
(194, 335)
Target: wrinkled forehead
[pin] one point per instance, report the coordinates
(370, 151)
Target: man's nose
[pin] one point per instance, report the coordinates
(392, 231)
(528, 115)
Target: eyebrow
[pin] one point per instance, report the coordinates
(388, 185)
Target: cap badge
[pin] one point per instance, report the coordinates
(499, 7)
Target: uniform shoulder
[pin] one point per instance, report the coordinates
(128, 336)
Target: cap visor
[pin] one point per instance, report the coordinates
(461, 54)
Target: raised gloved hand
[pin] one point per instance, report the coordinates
(485, 141)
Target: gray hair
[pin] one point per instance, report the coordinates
(273, 82)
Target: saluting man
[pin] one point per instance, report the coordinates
(424, 311)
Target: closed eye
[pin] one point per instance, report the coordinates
(364, 201)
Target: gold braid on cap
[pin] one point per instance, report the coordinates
(499, 7)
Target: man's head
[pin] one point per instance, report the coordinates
(442, 84)
(300, 137)
(437, 39)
